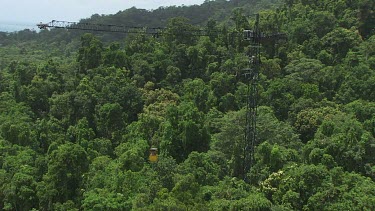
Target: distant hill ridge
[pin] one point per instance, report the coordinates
(218, 10)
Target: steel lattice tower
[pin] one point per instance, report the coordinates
(255, 37)
(252, 73)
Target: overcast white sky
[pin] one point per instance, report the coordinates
(35, 11)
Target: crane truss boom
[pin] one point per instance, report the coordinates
(156, 31)
(121, 29)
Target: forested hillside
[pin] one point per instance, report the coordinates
(80, 111)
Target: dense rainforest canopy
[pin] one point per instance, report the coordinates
(80, 111)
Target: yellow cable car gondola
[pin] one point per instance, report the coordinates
(153, 155)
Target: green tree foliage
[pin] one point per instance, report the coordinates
(62, 182)
(303, 187)
(101, 199)
(110, 119)
(345, 139)
(90, 52)
(184, 131)
(79, 112)
(113, 56)
(180, 32)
